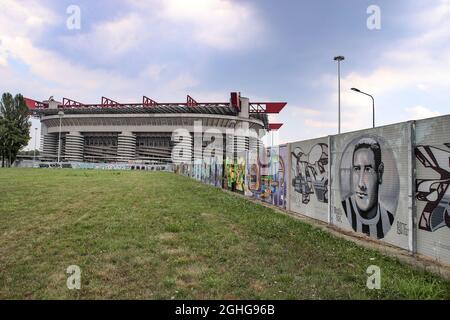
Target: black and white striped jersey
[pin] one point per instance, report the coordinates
(376, 227)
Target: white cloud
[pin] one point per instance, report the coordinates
(420, 112)
(221, 24)
(304, 111)
(111, 39)
(50, 73)
(51, 67)
(3, 55)
(22, 17)
(434, 15)
(420, 62)
(218, 24)
(153, 71)
(320, 123)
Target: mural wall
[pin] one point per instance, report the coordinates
(216, 174)
(183, 169)
(309, 178)
(266, 175)
(239, 171)
(432, 154)
(197, 169)
(252, 175)
(280, 172)
(363, 181)
(229, 176)
(234, 173)
(370, 189)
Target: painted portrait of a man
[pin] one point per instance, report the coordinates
(363, 208)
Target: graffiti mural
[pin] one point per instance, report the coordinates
(206, 171)
(229, 182)
(279, 174)
(266, 176)
(218, 170)
(310, 172)
(252, 174)
(369, 185)
(197, 170)
(239, 168)
(182, 169)
(265, 191)
(434, 192)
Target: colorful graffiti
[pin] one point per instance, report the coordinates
(279, 175)
(435, 192)
(229, 178)
(197, 169)
(218, 173)
(208, 171)
(310, 170)
(234, 174)
(266, 176)
(213, 172)
(240, 173)
(253, 174)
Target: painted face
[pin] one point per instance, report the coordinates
(365, 179)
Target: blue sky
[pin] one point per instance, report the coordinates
(267, 50)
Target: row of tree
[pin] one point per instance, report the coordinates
(14, 127)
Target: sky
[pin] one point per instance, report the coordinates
(267, 50)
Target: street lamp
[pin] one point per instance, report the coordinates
(373, 105)
(35, 140)
(339, 59)
(60, 114)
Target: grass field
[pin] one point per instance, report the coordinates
(161, 236)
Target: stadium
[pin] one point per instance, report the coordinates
(113, 132)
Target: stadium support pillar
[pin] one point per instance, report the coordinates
(126, 147)
(74, 147)
(49, 146)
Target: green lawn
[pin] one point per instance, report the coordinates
(152, 235)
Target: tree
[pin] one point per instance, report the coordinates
(14, 127)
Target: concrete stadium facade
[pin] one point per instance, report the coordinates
(144, 132)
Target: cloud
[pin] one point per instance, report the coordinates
(153, 71)
(419, 63)
(216, 24)
(304, 111)
(49, 73)
(434, 15)
(320, 123)
(221, 24)
(111, 39)
(420, 112)
(51, 67)
(25, 18)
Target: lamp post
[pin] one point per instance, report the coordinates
(373, 105)
(35, 140)
(60, 114)
(339, 59)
